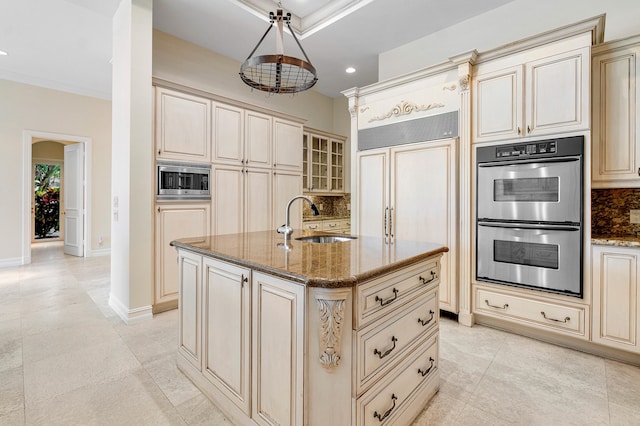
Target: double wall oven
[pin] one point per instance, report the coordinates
(529, 215)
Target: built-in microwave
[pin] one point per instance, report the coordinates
(182, 181)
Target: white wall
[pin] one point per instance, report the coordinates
(26, 107)
(511, 22)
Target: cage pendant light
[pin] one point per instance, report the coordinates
(278, 73)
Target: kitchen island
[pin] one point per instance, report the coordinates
(312, 333)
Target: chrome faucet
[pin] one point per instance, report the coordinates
(286, 228)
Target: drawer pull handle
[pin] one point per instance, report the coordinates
(382, 355)
(505, 306)
(381, 417)
(424, 373)
(427, 281)
(423, 322)
(566, 319)
(386, 302)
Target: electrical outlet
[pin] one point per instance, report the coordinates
(634, 216)
(320, 206)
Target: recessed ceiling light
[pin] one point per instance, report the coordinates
(3, 53)
(350, 70)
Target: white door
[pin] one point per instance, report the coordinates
(74, 199)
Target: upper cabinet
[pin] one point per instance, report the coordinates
(540, 92)
(241, 137)
(182, 126)
(616, 116)
(287, 145)
(323, 162)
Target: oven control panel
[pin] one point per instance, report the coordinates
(526, 149)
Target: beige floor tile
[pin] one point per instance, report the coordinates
(472, 416)
(59, 341)
(63, 373)
(11, 391)
(133, 399)
(201, 411)
(14, 418)
(623, 384)
(55, 317)
(175, 385)
(624, 415)
(10, 344)
(442, 410)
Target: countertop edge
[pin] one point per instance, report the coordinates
(317, 282)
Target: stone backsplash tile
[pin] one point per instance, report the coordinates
(610, 211)
(328, 206)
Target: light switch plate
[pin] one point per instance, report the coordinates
(634, 216)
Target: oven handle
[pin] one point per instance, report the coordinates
(503, 163)
(541, 226)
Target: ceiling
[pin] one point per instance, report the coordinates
(66, 44)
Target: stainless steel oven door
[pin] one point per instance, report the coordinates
(540, 191)
(544, 257)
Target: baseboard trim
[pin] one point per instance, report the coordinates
(127, 315)
(99, 252)
(14, 261)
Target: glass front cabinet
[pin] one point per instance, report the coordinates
(323, 162)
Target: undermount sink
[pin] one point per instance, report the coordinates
(325, 239)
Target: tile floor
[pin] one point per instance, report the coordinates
(65, 358)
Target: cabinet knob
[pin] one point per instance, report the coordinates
(519, 130)
(528, 129)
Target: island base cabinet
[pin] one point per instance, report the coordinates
(189, 318)
(278, 351)
(389, 402)
(226, 334)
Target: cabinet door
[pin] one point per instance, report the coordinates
(336, 165)
(228, 134)
(277, 351)
(257, 140)
(287, 145)
(373, 192)
(424, 192)
(226, 341)
(182, 126)
(557, 93)
(174, 222)
(319, 163)
(497, 111)
(258, 209)
(228, 199)
(287, 185)
(189, 271)
(616, 298)
(616, 119)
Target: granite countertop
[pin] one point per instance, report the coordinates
(333, 265)
(616, 240)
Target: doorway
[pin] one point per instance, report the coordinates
(70, 155)
(48, 191)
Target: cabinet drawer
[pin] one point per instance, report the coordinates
(380, 296)
(312, 226)
(545, 314)
(381, 344)
(331, 225)
(389, 400)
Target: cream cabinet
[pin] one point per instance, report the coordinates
(616, 297)
(241, 137)
(279, 349)
(182, 126)
(616, 116)
(243, 199)
(410, 192)
(174, 221)
(286, 185)
(323, 162)
(226, 343)
(189, 274)
(287, 145)
(542, 96)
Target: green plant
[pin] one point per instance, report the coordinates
(47, 200)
